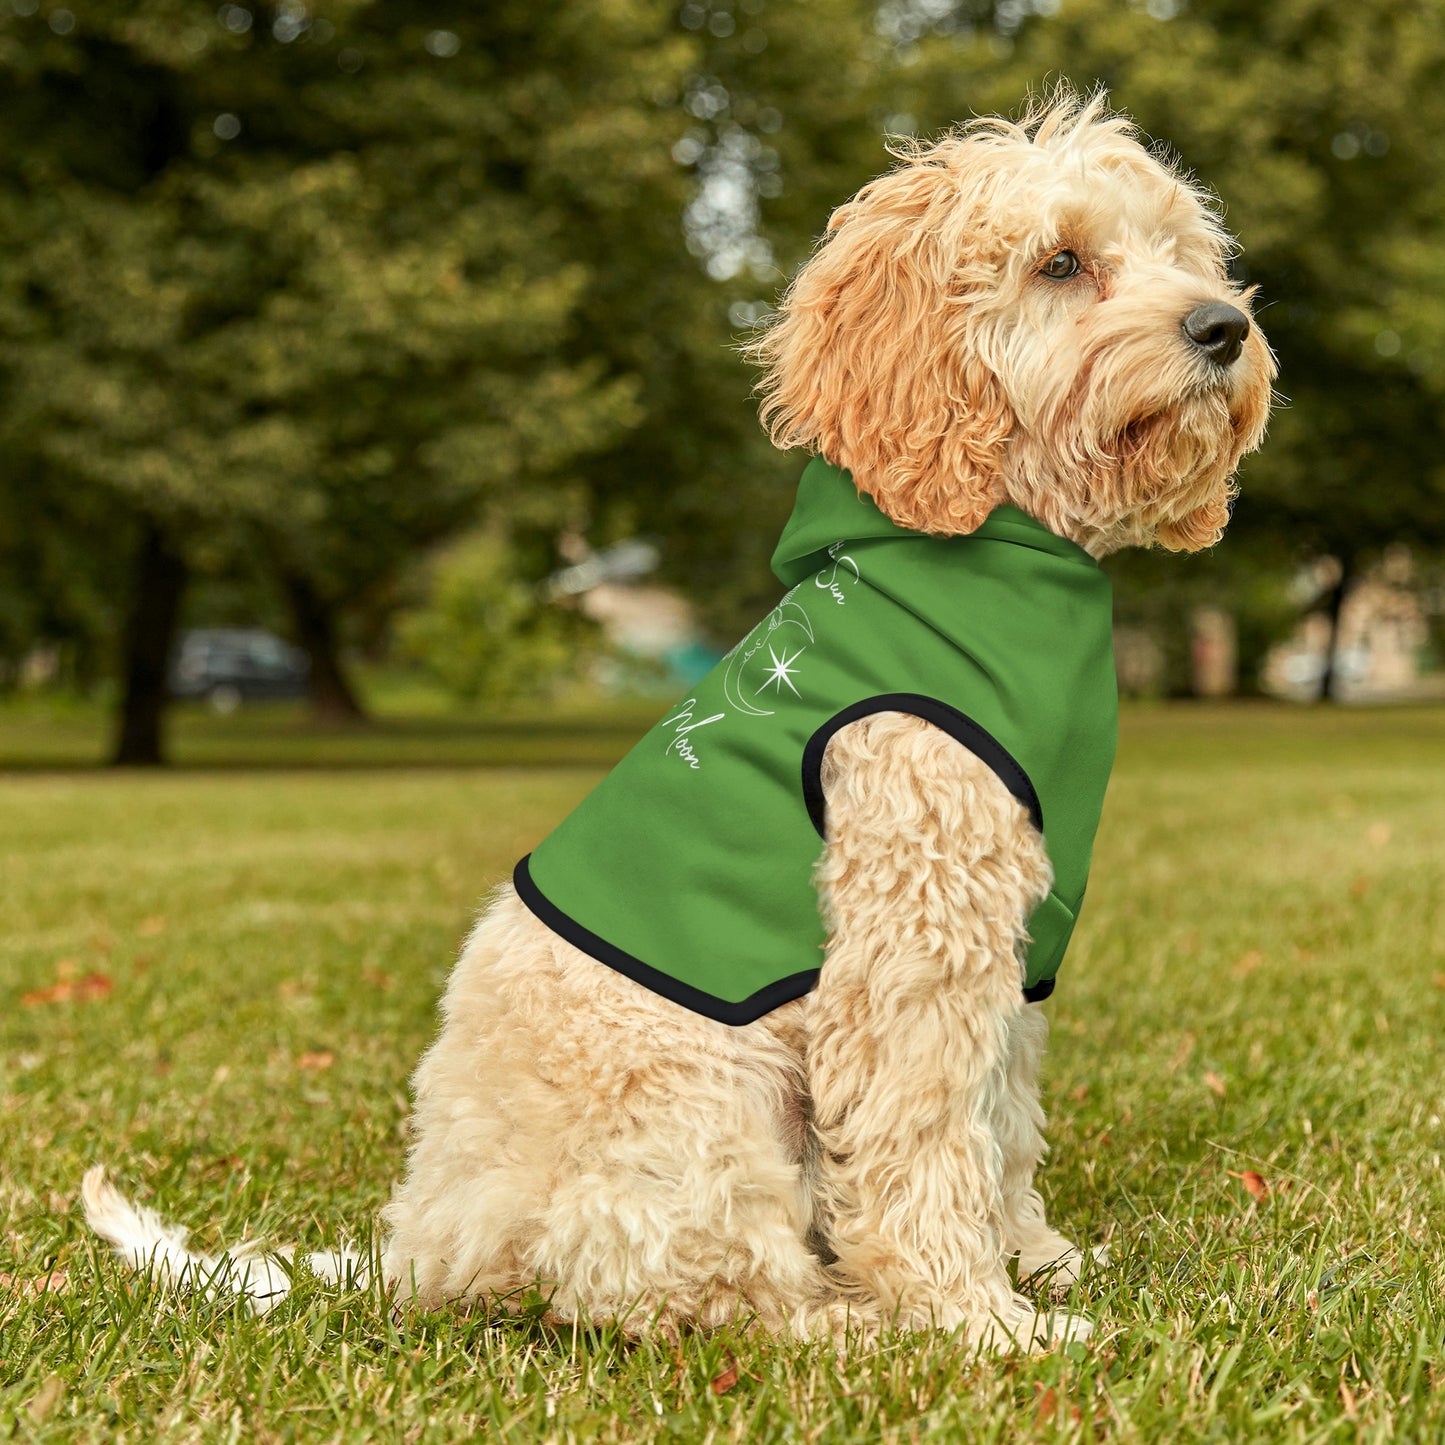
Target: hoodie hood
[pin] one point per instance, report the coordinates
(830, 509)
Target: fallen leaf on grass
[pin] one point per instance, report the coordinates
(151, 927)
(45, 1399)
(724, 1382)
(1440, 980)
(80, 990)
(1044, 1411)
(1248, 963)
(1047, 1406)
(1080, 1094)
(56, 993)
(1254, 1183)
(1214, 1083)
(1359, 886)
(56, 1282)
(320, 1059)
(377, 978)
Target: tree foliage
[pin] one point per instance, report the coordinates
(304, 289)
(311, 286)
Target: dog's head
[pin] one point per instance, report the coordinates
(1036, 313)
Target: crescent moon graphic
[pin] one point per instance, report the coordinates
(787, 613)
(733, 693)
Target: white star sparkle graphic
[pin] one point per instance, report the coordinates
(782, 671)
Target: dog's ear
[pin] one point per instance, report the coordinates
(874, 360)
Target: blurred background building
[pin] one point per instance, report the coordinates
(387, 329)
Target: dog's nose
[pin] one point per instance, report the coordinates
(1218, 331)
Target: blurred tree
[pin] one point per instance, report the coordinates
(486, 633)
(301, 282)
(58, 575)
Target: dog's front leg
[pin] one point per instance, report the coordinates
(1042, 1251)
(930, 872)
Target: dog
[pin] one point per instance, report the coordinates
(1025, 320)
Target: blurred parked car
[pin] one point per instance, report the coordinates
(230, 665)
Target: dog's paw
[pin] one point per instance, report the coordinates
(1023, 1326)
(1058, 1269)
(1059, 1327)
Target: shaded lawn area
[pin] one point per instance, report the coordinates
(407, 730)
(217, 982)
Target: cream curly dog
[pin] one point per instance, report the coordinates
(1031, 314)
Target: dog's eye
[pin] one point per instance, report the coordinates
(1060, 266)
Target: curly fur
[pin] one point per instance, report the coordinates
(921, 348)
(866, 1155)
(647, 1164)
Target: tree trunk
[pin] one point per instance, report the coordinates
(1329, 679)
(150, 630)
(333, 699)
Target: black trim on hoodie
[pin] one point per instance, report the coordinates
(784, 990)
(745, 1011)
(957, 725)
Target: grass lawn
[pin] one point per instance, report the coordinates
(216, 980)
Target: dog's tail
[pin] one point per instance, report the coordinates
(147, 1243)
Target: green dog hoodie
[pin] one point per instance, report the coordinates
(690, 866)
